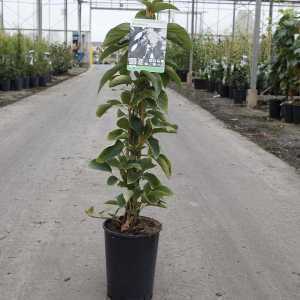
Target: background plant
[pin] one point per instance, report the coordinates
(140, 117)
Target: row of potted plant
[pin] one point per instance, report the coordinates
(285, 68)
(26, 63)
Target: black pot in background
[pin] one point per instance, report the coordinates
(182, 75)
(34, 81)
(17, 84)
(230, 92)
(200, 84)
(224, 92)
(296, 114)
(26, 82)
(211, 86)
(275, 109)
(130, 264)
(239, 96)
(287, 112)
(5, 85)
(43, 80)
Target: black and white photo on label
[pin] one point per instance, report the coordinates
(147, 46)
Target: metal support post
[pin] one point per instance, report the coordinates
(190, 74)
(252, 93)
(39, 15)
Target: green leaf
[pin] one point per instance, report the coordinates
(164, 191)
(120, 113)
(108, 75)
(155, 81)
(152, 179)
(147, 163)
(154, 146)
(121, 200)
(123, 123)
(163, 101)
(103, 108)
(116, 34)
(166, 129)
(112, 180)
(120, 79)
(110, 152)
(173, 75)
(133, 175)
(126, 96)
(111, 202)
(115, 134)
(113, 48)
(179, 36)
(93, 164)
(136, 124)
(159, 6)
(165, 164)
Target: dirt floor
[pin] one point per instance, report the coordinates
(10, 97)
(279, 138)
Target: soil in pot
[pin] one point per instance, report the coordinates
(287, 112)
(17, 84)
(200, 84)
(131, 260)
(34, 81)
(275, 109)
(239, 96)
(296, 113)
(5, 85)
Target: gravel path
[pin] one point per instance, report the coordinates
(231, 232)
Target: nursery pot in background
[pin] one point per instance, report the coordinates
(26, 82)
(34, 81)
(224, 92)
(43, 80)
(296, 113)
(17, 84)
(211, 86)
(275, 109)
(239, 96)
(5, 84)
(182, 75)
(130, 263)
(287, 112)
(200, 84)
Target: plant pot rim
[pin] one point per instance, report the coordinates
(132, 236)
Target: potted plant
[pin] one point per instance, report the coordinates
(285, 68)
(201, 80)
(240, 82)
(131, 239)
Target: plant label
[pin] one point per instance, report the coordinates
(147, 45)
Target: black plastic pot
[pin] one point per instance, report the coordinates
(230, 92)
(296, 114)
(26, 82)
(239, 96)
(182, 75)
(211, 86)
(43, 80)
(5, 85)
(287, 112)
(17, 84)
(130, 264)
(200, 84)
(34, 81)
(275, 109)
(224, 92)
